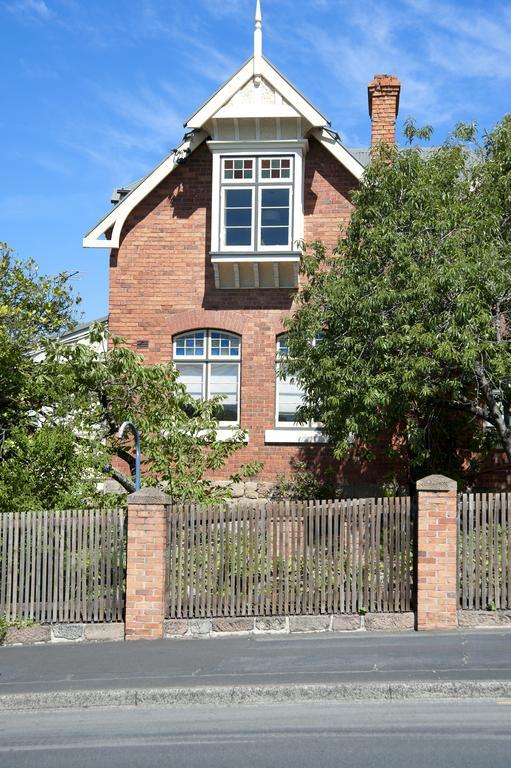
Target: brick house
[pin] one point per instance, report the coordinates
(204, 263)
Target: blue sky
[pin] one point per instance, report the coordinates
(94, 92)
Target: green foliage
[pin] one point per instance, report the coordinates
(32, 308)
(61, 406)
(33, 462)
(414, 304)
(43, 469)
(305, 483)
(96, 388)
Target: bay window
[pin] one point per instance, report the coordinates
(256, 204)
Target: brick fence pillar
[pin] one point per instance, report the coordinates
(437, 544)
(146, 565)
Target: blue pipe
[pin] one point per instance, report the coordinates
(130, 425)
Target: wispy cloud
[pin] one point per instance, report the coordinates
(137, 128)
(36, 9)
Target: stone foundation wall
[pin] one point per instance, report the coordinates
(250, 490)
(63, 633)
(284, 625)
(483, 619)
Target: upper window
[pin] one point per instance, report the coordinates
(257, 203)
(209, 365)
(290, 395)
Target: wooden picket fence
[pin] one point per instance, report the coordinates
(63, 566)
(291, 558)
(484, 551)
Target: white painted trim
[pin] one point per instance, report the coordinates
(254, 258)
(259, 147)
(241, 78)
(216, 202)
(224, 435)
(120, 213)
(339, 152)
(295, 436)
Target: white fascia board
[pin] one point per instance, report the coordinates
(339, 152)
(241, 78)
(294, 97)
(222, 96)
(116, 218)
(295, 436)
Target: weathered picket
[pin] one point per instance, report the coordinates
(63, 566)
(291, 558)
(484, 551)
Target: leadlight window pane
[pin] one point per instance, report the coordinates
(276, 168)
(238, 169)
(224, 382)
(223, 345)
(190, 344)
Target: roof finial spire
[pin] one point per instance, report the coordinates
(258, 43)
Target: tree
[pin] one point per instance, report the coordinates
(94, 389)
(414, 304)
(33, 307)
(61, 409)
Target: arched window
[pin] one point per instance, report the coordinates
(209, 365)
(289, 395)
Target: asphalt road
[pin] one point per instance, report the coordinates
(267, 659)
(370, 734)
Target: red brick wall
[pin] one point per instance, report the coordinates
(383, 94)
(161, 283)
(146, 571)
(437, 542)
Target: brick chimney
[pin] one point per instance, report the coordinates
(383, 93)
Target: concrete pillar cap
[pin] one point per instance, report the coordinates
(437, 483)
(149, 496)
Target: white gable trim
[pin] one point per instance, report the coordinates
(339, 152)
(241, 78)
(117, 217)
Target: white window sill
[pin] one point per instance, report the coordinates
(295, 436)
(224, 434)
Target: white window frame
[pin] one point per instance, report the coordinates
(258, 150)
(238, 182)
(287, 425)
(207, 360)
(223, 227)
(259, 219)
(274, 156)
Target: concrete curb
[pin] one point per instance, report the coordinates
(253, 694)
